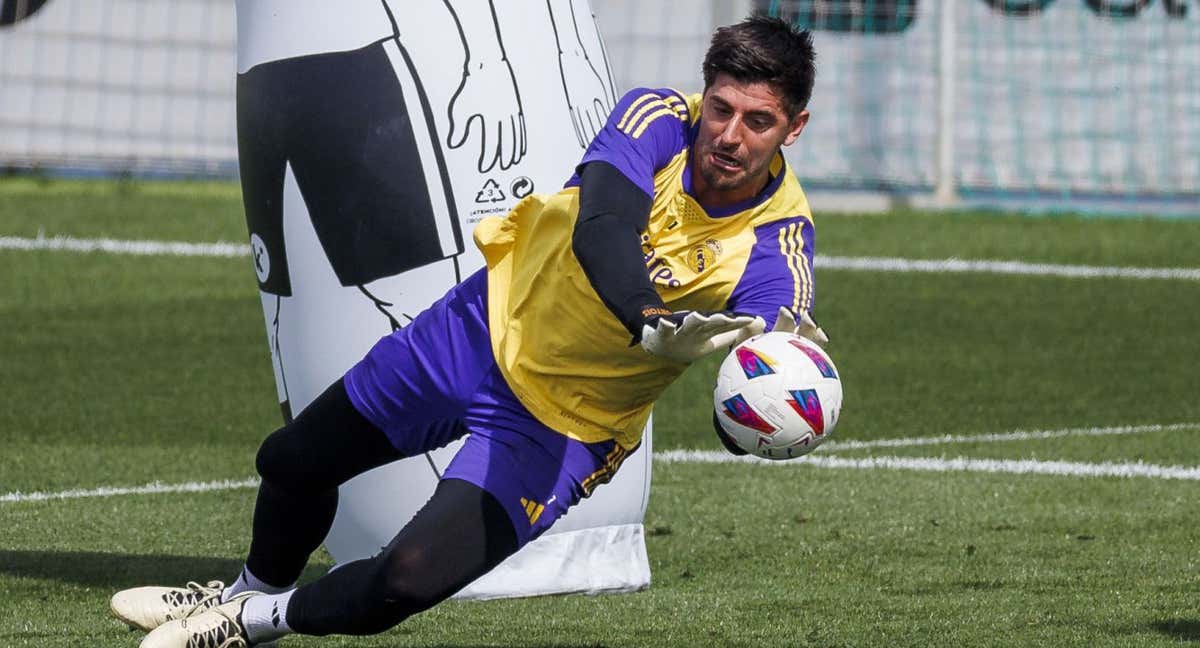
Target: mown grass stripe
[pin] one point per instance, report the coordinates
(869, 264)
(958, 464)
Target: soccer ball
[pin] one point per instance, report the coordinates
(778, 396)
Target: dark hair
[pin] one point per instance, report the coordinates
(765, 49)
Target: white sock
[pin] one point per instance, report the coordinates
(247, 582)
(265, 617)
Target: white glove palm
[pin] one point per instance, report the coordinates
(686, 336)
(805, 328)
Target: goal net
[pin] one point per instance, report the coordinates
(1059, 98)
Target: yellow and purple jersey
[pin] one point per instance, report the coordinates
(563, 353)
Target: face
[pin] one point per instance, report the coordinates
(742, 126)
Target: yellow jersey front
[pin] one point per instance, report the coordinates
(563, 353)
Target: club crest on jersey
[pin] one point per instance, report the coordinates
(754, 364)
(823, 365)
(701, 257)
(808, 406)
(739, 410)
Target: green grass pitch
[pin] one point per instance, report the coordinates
(122, 371)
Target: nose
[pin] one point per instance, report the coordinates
(731, 135)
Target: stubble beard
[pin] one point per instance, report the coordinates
(728, 183)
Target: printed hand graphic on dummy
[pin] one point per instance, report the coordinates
(501, 132)
(587, 98)
(487, 81)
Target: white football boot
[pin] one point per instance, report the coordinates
(216, 627)
(149, 607)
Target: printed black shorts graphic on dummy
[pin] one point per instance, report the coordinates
(341, 122)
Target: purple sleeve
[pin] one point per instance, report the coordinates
(779, 271)
(645, 130)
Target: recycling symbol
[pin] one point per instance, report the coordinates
(490, 193)
(521, 187)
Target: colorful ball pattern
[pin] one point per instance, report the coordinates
(778, 396)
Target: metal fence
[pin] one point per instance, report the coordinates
(1069, 100)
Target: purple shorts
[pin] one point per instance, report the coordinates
(436, 379)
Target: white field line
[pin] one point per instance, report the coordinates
(946, 266)
(956, 464)
(1016, 435)
(872, 264)
(959, 464)
(115, 246)
(148, 489)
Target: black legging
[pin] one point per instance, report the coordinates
(460, 534)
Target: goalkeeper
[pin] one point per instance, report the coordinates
(682, 231)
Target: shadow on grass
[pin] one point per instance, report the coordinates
(405, 640)
(118, 571)
(1179, 629)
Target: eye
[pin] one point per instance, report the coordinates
(719, 109)
(760, 123)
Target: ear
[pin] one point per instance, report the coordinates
(794, 128)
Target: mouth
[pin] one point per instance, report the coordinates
(725, 162)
